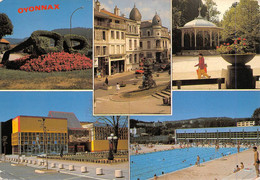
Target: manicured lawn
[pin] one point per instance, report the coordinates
(21, 80)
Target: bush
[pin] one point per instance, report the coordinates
(51, 62)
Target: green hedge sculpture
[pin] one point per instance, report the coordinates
(61, 43)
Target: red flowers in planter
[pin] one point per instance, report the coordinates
(239, 46)
(60, 61)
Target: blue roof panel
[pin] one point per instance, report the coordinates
(224, 129)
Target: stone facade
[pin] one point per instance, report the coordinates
(155, 41)
(120, 43)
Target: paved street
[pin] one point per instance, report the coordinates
(27, 172)
(109, 102)
(183, 68)
(24, 172)
(126, 77)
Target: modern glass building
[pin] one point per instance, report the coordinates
(221, 134)
(59, 132)
(29, 136)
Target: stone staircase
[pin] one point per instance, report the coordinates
(162, 94)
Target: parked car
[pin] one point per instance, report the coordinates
(139, 71)
(41, 155)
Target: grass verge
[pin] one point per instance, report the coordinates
(21, 80)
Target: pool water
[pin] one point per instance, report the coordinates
(144, 166)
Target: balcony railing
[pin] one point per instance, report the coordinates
(118, 26)
(103, 24)
(110, 25)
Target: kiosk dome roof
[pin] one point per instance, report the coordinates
(199, 22)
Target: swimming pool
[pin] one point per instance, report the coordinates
(144, 166)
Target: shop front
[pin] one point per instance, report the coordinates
(117, 65)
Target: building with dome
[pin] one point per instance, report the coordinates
(155, 40)
(133, 52)
(120, 42)
(199, 34)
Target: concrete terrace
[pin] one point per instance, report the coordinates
(109, 102)
(183, 68)
(219, 169)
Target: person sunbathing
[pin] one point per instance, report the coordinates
(236, 169)
(242, 165)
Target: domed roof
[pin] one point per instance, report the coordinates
(135, 14)
(156, 20)
(198, 22)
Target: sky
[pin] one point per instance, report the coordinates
(195, 104)
(147, 8)
(39, 103)
(26, 22)
(224, 5)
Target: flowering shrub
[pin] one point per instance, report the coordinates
(239, 46)
(60, 61)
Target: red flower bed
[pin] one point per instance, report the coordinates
(61, 61)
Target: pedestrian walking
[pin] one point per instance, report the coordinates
(117, 88)
(61, 152)
(256, 161)
(202, 70)
(106, 81)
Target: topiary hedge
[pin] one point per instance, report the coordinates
(39, 44)
(82, 48)
(40, 47)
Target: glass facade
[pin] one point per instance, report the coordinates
(101, 133)
(33, 143)
(227, 134)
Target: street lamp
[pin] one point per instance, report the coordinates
(111, 139)
(45, 138)
(82, 7)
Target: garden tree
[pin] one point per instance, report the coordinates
(243, 21)
(6, 26)
(154, 131)
(176, 22)
(169, 125)
(170, 139)
(256, 116)
(115, 122)
(212, 12)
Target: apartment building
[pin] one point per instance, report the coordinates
(120, 43)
